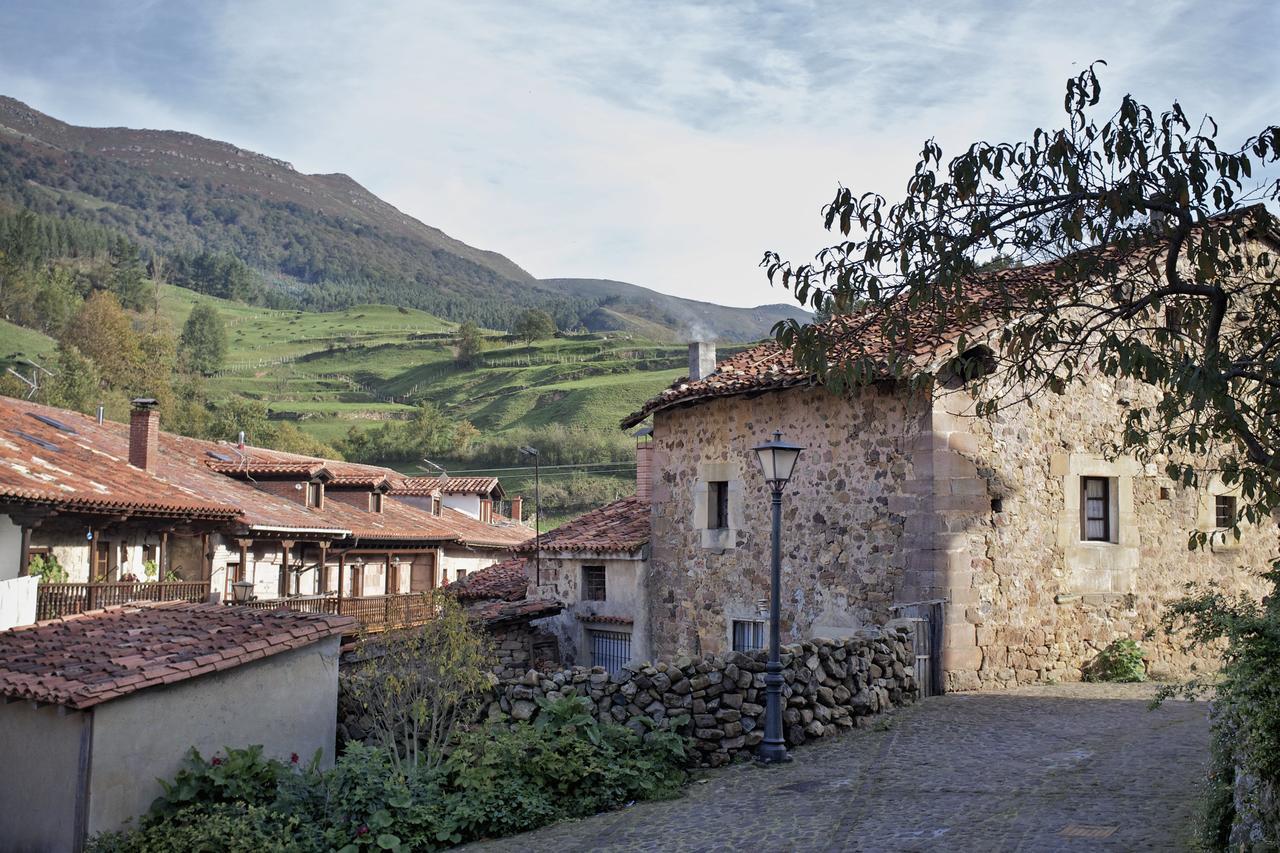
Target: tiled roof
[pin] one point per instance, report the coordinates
(600, 619)
(620, 526)
(506, 534)
(494, 613)
(862, 335)
(448, 486)
(397, 521)
(250, 467)
(83, 660)
(77, 468)
(506, 580)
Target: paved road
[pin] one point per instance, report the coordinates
(1072, 767)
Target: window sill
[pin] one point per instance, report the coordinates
(719, 539)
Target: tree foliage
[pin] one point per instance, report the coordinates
(1159, 265)
(470, 344)
(534, 325)
(204, 339)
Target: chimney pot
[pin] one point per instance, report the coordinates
(644, 470)
(517, 509)
(144, 434)
(702, 360)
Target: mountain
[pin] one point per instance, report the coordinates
(318, 242)
(646, 312)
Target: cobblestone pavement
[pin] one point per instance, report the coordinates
(1009, 771)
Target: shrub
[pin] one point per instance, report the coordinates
(47, 568)
(1119, 662)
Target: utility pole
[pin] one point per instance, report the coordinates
(537, 515)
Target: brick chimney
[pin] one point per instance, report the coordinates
(644, 469)
(144, 434)
(702, 360)
(517, 509)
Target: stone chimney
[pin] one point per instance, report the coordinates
(144, 434)
(702, 360)
(517, 509)
(644, 470)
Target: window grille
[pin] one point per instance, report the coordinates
(1225, 510)
(718, 505)
(1096, 498)
(610, 649)
(748, 635)
(593, 587)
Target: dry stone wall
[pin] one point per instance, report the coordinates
(718, 701)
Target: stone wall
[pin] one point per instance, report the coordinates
(842, 549)
(718, 701)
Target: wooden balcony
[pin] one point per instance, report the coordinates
(63, 599)
(373, 612)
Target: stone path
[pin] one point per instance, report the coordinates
(1074, 767)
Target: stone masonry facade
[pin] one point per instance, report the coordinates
(902, 498)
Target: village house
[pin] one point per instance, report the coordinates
(98, 705)
(1020, 547)
(119, 504)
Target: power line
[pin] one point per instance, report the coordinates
(473, 471)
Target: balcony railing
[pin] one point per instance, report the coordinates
(63, 599)
(373, 612)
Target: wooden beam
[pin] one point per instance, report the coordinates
(24, 551)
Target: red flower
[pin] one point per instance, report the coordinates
(293, 758)
(363, 830)
(216, 761)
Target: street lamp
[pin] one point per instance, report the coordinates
(242, 592)
(537, 514)
(777, 460)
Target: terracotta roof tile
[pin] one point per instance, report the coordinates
(447, 485)
(619, 526)
(493, 613)
(76, 661)
(506, 580)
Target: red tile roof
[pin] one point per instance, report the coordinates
(448, 486)
(506, 534)
(506, 580)
(601, 619)
(83, 660)
(495, 613)
(925, 335)
(78, 469)
(620, 526)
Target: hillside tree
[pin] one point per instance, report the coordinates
(534, 325)
(203, 343)
(470, 344)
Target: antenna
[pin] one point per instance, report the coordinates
(34, 382)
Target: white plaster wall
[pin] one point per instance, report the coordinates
(470, 504)
(10, 548)
(467, 560)
(18, 602)
(40, 754)
(287, 702)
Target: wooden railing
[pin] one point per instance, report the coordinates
(63, 599)
(373, 612)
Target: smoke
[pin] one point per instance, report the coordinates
(698, 332)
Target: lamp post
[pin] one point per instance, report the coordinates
(242, 592)
(777, 461)
(537, 515)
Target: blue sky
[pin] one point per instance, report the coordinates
(664, 143)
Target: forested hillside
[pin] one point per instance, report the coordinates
(241, 225)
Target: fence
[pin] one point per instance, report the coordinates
(62, 599)
(373, 612)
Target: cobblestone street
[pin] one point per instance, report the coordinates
(1065, 767)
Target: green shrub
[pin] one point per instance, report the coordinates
(1119, 662)
(47, 568)
(496, 781)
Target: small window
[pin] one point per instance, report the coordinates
(610, 649)
(375, 502)
(748, 635)
(1095, 500)
(1173, 319)
(718, 505)
(462, 573)
(593, 583)
(315, 495)
(435, 506)
(1224, 507)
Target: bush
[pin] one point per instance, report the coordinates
(496, 781)
(1119, 662)
(47, 568)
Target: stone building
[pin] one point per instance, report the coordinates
(1022, 547)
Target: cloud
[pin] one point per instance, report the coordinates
(668, 144)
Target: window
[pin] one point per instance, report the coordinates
(315, 495)
(1095, 504)
(1224, 509)
(610, 649)
(717, 505)
(375, 502)
(593, 583)
(748, 635)
(462, 573)
(435, 506)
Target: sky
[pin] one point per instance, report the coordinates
(668, 144)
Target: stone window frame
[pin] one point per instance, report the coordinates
(763, 630)
(1095, 566)
(725, 538)
(1220, 540)
(1110, 526)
